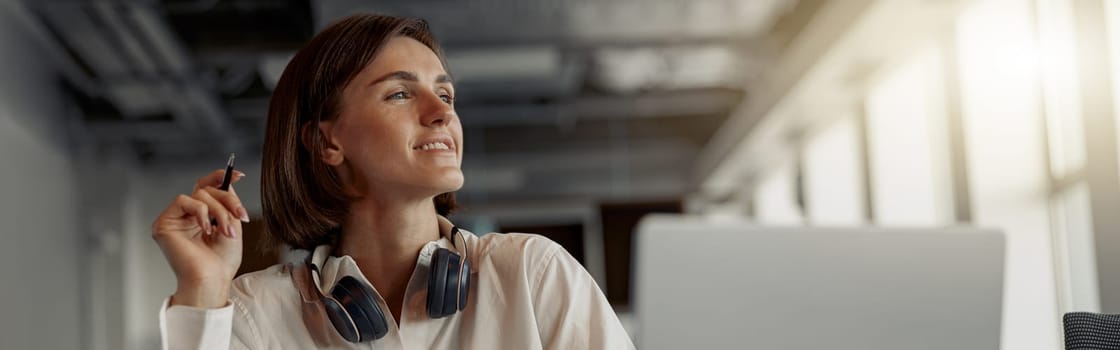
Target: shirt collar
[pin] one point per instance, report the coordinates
(333, 268)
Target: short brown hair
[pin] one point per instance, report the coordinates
(303, 198)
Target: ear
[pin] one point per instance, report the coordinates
(331, 150)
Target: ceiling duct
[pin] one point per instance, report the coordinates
(136, 63)
(508, 63)
(502, 22)
(629, 70)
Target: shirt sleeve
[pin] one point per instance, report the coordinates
(184, 327)
(571, 310)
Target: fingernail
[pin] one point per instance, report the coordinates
(244, 214)
(238, 173)
(232, 231)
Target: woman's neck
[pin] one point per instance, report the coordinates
(385, 240)
(379, 231)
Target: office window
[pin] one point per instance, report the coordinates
(1112, 20)
(1075, 257)
(1007, 170)
(908, 144)
(1057, 63)
(775, 197)
(1074, 254)
(833, 175)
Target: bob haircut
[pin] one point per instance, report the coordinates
(303, 198)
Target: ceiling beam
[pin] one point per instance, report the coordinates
(647, 105)
(829, 24)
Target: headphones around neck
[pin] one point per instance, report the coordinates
(352, 305)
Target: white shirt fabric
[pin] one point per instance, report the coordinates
(526, 292)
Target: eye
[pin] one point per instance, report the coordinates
(400, 95)
(447, 98)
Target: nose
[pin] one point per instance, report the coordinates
(435, 112)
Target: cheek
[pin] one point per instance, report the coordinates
(361, 137)
(376, 140)
(457, 129)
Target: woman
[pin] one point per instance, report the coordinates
(361, 155)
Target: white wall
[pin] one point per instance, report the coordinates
(833, 166)
(80, 268)
(40, 259)
(907, 144)
(775, 197)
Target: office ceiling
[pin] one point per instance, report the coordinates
(607, 100)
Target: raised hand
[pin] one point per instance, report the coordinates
(205, 258)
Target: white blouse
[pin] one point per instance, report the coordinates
(526, 292)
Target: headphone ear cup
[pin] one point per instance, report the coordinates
(437, 281)
(341, 320)
(451, 290)
(357, 298)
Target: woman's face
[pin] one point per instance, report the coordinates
(398, 134)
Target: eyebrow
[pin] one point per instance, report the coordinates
(409, 76)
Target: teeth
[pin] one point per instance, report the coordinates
(434, 145)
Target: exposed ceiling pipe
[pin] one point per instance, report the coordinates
(125, 32)
(84, 38)
(628, 70)
(576, 20)
(56, 54)
(207, 108)
(163, 43)
(191, 6)
(139, 65)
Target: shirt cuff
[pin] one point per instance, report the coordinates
(186, 327)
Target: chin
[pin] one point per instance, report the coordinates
(451, 181)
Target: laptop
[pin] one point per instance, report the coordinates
(720, 285)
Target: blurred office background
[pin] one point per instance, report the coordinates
(580, 116)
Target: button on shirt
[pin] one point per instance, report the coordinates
(526, 292)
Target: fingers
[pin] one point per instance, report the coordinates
(221, 215)
(183, 206)
(214, 178)
(206, 202)
(231, 202)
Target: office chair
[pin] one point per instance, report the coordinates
(1091, 331)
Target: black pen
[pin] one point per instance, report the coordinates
(225, 182)
(229, 174)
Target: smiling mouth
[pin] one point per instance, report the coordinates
(432, 146)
